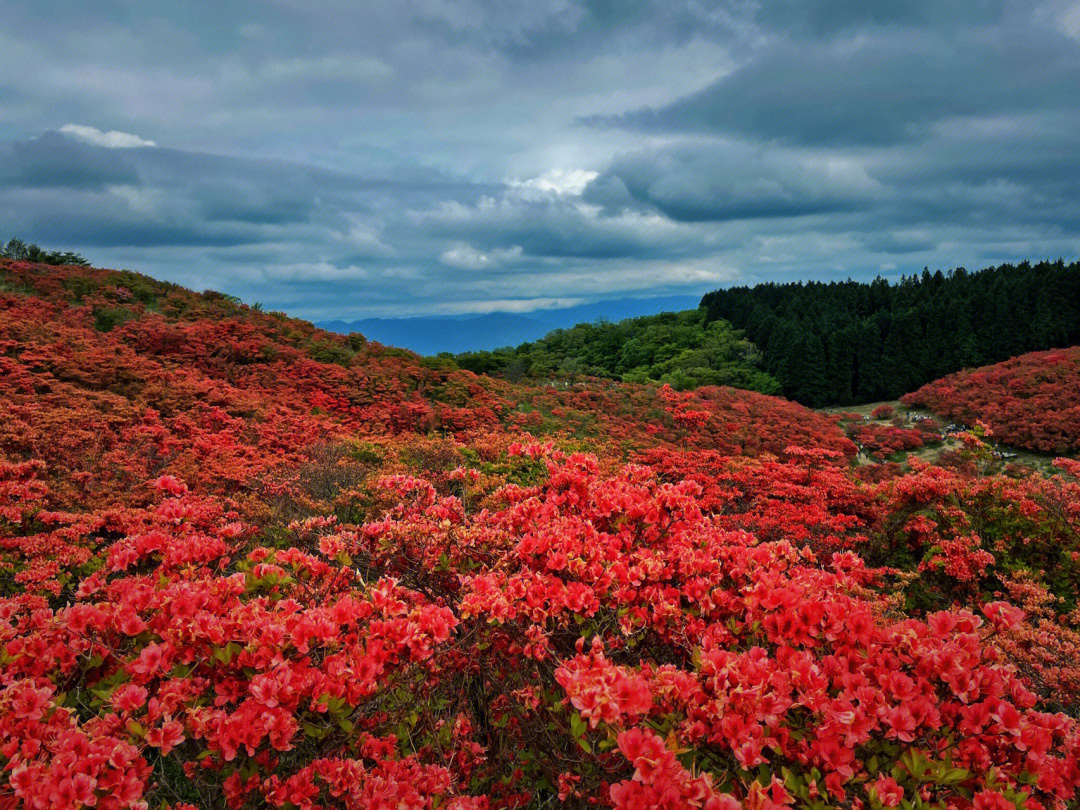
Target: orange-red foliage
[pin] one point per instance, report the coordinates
(246, 563)
(1030, 401)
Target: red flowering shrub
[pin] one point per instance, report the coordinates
(679, 406)
(245, 563)
(1030, 401)
(884, 440)
(977, 539)
(930, 428)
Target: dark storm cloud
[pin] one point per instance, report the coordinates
(828, 17)
(561, 29)
(879, 85)
(54, 160)
(198, 193)
(732, 181)
(872, 117)
(350, 158)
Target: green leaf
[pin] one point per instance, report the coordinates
(312, 730)
(952, 775)
(577, 725)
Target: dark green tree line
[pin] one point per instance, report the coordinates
(842, 343)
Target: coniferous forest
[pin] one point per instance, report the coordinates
(850, 342)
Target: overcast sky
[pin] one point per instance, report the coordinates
(342, 159)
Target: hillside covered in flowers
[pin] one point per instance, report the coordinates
(1030, 401)
(247, 563)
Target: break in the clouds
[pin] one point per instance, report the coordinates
(347, 159)
(113, 139)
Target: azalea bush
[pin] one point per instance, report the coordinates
(260, 573)
(884, 411)
(881, 441)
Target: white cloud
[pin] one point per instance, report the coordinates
(465, 257)
(146, 201)
(113, 139)
(314, 271)
(557, 181)
(516, 305)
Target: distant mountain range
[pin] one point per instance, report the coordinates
(465, 333)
